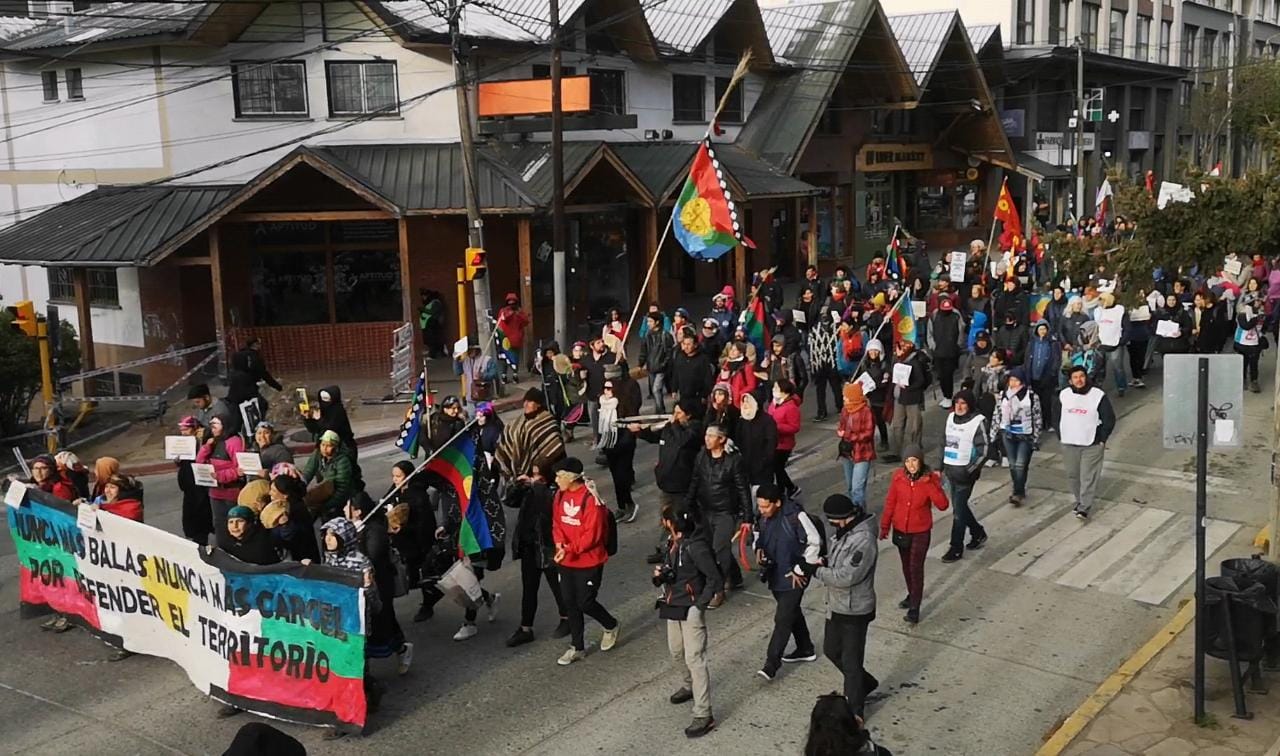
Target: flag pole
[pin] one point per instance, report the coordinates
(991, 239)
(743, 64)
(382, 502)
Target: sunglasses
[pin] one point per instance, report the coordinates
(608, 386)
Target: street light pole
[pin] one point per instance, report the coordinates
(475, 226)
(559, 285)
(1079, 129)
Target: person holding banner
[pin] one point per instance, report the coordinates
(341, 549)
(246, 539)
(44, 476)
(289, 521)
(385, 635)
(71, 472)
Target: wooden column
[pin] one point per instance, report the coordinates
(80, 280)
(406, 288)
(525, 254)
(813, 230)
(801, 260)
(215, 282)
(652, 293)
(740, 277)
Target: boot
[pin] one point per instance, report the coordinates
(1254, 387)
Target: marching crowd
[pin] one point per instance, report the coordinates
(1015, 354)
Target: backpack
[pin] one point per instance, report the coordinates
(926, 369)
(817, 525)
(611, 520)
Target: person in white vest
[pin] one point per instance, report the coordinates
(964, 449)
(1113, 332)
(1086, 423)
(1249, 341)
(1018, 422)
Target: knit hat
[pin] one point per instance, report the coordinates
(875, 344)
(47, 460)
(273, 512)
(839, 507)
(197, 391)
(688, 407)
(329, 437)
(240, 513)
(536, 395)
(727, 291)
(682, 312)
(264, 425)
(966, 395)
(722, 386)
(1020, 373)
(189, 421)
(912, 450)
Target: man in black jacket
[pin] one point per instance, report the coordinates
(247, 370)
(1012, 299)
(907, 426)
(691, 372)
(593, 364)
(690, 580)
(656, 350)
(1013, 338)
(947, 332)
(719, 494)
(678, 440)
(757, 440)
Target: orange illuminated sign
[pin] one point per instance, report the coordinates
(533, 96)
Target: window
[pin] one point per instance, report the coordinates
(270, 89)
(75, 84)
(1162, 110)
(289, 288)
(62, 287)
(732, 112)
(1089, 27)
(543, 71)
(104, 291)
(1166, 34)
(688, 98)
(1115, 35)
(366, 286)
(1184, 94)
(1059, 12)
(608, 91)
(79, 5)
(1142, 45)
(362, 87)
(1208, 43)
(1025, 33)
(1138, 108)
(942, 208)
(49, 79)
(1189, 34)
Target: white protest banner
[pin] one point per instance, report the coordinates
(179, 447)
(249, 462)
(1168, 329)
(1171, 192)
(901, 373)
(204, 475)
(285, 641)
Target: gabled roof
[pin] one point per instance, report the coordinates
(981, 34)
(663, 166)
(922, 37)
(108, 22)
(530, 162)
(681, 26)
(502, 20)
(110, 225)
(658, 165)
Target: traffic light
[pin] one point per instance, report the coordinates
(24, 317)
(476, 265)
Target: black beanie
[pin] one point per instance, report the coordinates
(535, 395)
(839, 507)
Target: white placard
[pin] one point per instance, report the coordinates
(1224, 431)
(13, 496)
(249, 462)
(203, 475)
(1140, 314)
(1168, 329)
(1154, 299)
(797, 316)
(1233, 267)
(835, 317)
(918, 309)
(87, 517)
(957, 268)
(179, 447)
(868, 383)
(902, 373)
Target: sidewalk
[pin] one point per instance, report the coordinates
(1151, 715)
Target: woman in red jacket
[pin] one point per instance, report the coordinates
(44, 475)
(913, 492)
(785, 411)
(580, 531)
(738, 371)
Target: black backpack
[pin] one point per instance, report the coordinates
(817, 525)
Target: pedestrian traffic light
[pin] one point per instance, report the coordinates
(24, 317)
(476, 265)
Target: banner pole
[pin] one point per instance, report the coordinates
(382, 502)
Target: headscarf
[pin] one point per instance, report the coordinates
(348, 556)
(854, 399)
(103, 470)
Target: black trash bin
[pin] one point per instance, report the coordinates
(1238, 621)
(1248, 571)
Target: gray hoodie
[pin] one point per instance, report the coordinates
(851, 575)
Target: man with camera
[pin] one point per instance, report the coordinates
(788, 551)
(688, 578)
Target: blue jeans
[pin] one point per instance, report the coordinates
(1018, 448)
(856, 475)
(658, 392)
(963, 518)
(1118, 362)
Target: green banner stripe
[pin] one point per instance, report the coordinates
(346, 658)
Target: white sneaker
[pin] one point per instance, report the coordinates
(466, 632)
(610, 638)
(571, 656)
(406, 658)
(493, 606)
(989, 463)
(1004, 462)
(945, 403)
(634, 512)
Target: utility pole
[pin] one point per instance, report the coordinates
(1273, 547)
(1079, 130)
(559, 285)
(475, 226)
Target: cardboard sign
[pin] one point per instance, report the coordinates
(13, 495)
(179, 447)
(87, 517)
(798, 317)
(918, 309)
(868, 383)
(250, 463)
(902, 374)
(1168, 329)
(203, 475)
(1233, 267)
(957, 268)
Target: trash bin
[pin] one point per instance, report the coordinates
(1246, 572)
(1238, 622)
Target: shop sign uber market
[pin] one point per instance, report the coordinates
(895, 157)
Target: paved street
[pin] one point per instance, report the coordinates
(1013, 637)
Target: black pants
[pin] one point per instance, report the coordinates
(824, 379)
(720, 528)
(946, 367)
(1047, 390)
(878, 414)
(579, 588)
(531, 576)
(788, 621)
(783, 480)
(622, 469)
(1138, 359)
(1251, 358)
(845, 644)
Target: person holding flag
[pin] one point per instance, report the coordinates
(510, 325)
(910, 375)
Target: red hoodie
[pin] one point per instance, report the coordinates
(787, 417)
(907, 507)
(578, 523)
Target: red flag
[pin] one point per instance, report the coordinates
(1006, 213)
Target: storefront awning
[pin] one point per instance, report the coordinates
(1040, 170)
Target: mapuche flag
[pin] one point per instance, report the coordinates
(904, 320)
(705, 219)
(754, 323)
(455, 463)
(415, 418)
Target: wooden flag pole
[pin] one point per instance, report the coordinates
(991, 239)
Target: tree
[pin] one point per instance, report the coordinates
(1208, 114)
(1255, 107)
(20, 370)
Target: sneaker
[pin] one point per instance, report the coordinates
(977, 542)
(423, 614)
(562, 629)
(684, 695)
(655, 558)
(766, 674)
(797, 656)
(610, 638)
(51, 622)
(952, 556)
(466, 632)
(571, 656)
(493, 606)
(61, 624)
(989, 463)
(716, 602)
(1004, 462)
(913, 617)
(945, 403)
(520, 637)
(1081, 515)
(905, 603)
(1016, 500)
(1138, 383)
(333, 733)
(633, 512)
(1254, 387)
(406, 658)
(227, 710)
(699, 727)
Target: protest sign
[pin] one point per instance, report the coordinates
(901, 374)
(203, 475)
(250, 463)
(285, 640)
(956, 270)
(180, 447)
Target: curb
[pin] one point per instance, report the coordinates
(1115, 682)
(159, 468)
